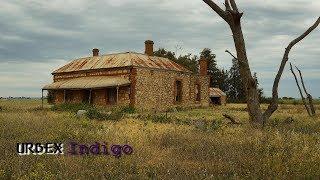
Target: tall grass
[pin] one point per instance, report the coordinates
(163, 149)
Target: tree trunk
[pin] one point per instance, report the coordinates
(232, 16)
(250, 85)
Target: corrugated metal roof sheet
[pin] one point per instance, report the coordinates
(88, 83)
(120, 60)
(216, 92)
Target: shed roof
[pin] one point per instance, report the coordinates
(216, 92)
(120, 60)
(88, 83)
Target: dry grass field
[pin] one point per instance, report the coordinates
(188, 144)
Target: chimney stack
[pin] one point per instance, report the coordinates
(203, 66)
(95, 52)
(148, 47)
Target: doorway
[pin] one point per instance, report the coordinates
(111, 96)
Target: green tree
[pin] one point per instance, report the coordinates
(188, 61)
(236, 91)
(259, 89)
(161, 52)
(218, 76)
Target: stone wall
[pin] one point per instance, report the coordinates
(58, 96)
(100, 97)
(155, 89)
(151, 89)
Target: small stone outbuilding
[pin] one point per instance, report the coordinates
(131, 79)
(217, 96)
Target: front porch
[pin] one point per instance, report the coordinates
(101, 91)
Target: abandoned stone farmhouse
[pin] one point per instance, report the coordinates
(142, 81)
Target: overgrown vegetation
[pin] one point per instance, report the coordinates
(93, 112)
(203, 145)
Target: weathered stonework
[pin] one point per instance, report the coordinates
(150, 89)
(155, 89)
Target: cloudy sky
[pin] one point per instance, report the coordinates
(37, 37)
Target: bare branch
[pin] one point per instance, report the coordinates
(274, 102)
(216, 8)
(231, 54)
(309, 97)
(302, 97)
(234, 5)
(227, 5)
(302, 82)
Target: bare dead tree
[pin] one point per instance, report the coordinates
(300, 91)
(232, 16)
(309, 97)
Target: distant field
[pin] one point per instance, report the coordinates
(295, 101)
(188, 144)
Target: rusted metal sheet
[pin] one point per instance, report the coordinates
(88, 83)
(120, 60)
(216, 92)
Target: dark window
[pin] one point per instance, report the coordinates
(198, 92)
(86, 96)
(69, 96)
(178, 91)
(111, 95)
(215, 100)
(51, 96)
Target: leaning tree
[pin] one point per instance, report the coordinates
(232, 16)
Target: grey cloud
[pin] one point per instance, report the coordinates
(41, 31)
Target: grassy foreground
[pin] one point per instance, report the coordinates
(163, 149)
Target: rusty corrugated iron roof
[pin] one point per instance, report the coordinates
(216, 92)
(120, 60)
(88, 83)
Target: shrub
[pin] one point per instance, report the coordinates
(204, 125)
(128, 110)
(215, 124)
(295, 102)
(92, 112)
(71, 107)
(162, 118)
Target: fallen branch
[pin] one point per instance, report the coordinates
(232, 119)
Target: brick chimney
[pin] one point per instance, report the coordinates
(203, 66)
(95, 52)
(148, 47)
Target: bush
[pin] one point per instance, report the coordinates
(128, 110)
(295, 102)
(162, 118)
(71, 107)
(205, 126)
(92, 112)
